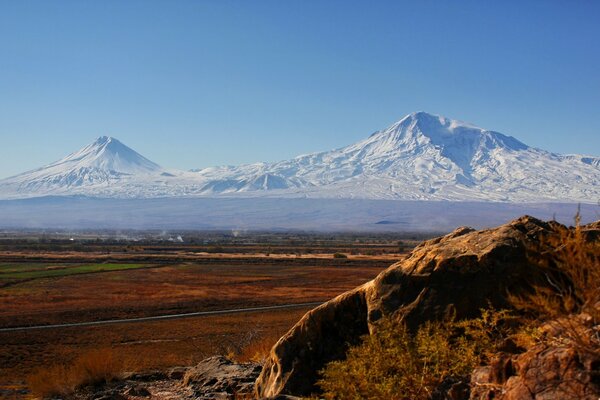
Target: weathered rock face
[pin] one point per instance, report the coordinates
(541, 373)
(215, 378)
(321, 336)
(219, 378)
(458, 273)
(555, 368)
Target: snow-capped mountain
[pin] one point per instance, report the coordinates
(104, 168)
(420, 157)
(425, 157)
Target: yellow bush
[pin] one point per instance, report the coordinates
(393, 363)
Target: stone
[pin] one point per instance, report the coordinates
(220, 378)
(454, 275)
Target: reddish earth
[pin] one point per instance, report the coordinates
(202, 282)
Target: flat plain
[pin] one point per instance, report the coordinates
(61, 281)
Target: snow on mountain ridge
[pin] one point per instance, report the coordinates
(425, 156)
(420, 157)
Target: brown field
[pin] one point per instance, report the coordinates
(42, 286)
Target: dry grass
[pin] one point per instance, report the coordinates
(568, 302)
(91, 368)
(571, 264)
(141, 346)
(258, 349)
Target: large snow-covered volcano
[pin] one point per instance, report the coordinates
(420, 157)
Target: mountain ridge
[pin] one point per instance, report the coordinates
(420, 157)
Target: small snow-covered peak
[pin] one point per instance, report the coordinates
(107, 154)
(104, 162)
(103, 140)
(107, 142)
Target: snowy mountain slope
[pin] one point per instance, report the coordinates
(420, 157)
(104, 168)
(426, 157)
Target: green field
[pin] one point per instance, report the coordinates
(16, 271)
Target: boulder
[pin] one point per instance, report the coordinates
(457, 274)
(220, 378)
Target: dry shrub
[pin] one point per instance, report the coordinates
(394, 363)
(255, 350)
(570, 261)
(91, 368)
(528, 335)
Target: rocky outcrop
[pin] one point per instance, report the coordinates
(216, 378)
(545, 372)
(558, 367)
(220, 378)
(459, 274)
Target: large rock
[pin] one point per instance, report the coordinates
(458, 273)
(215, 378)
(219, 378)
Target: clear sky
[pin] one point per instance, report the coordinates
(192, 84)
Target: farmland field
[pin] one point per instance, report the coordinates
(62, 283)
(14, 272)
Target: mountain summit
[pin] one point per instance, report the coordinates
(109, 155)
(426, 157)
(105, 163)
(420, 157)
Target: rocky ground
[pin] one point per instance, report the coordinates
(215, 378)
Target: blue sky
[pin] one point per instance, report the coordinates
(191, 84)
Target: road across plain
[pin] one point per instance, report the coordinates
(160, 317)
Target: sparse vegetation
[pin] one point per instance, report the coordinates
(91, 368)
(394, 363)
(562, 309)
(569, 299)
(258, 350)
(245, 281)
(253, 346)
